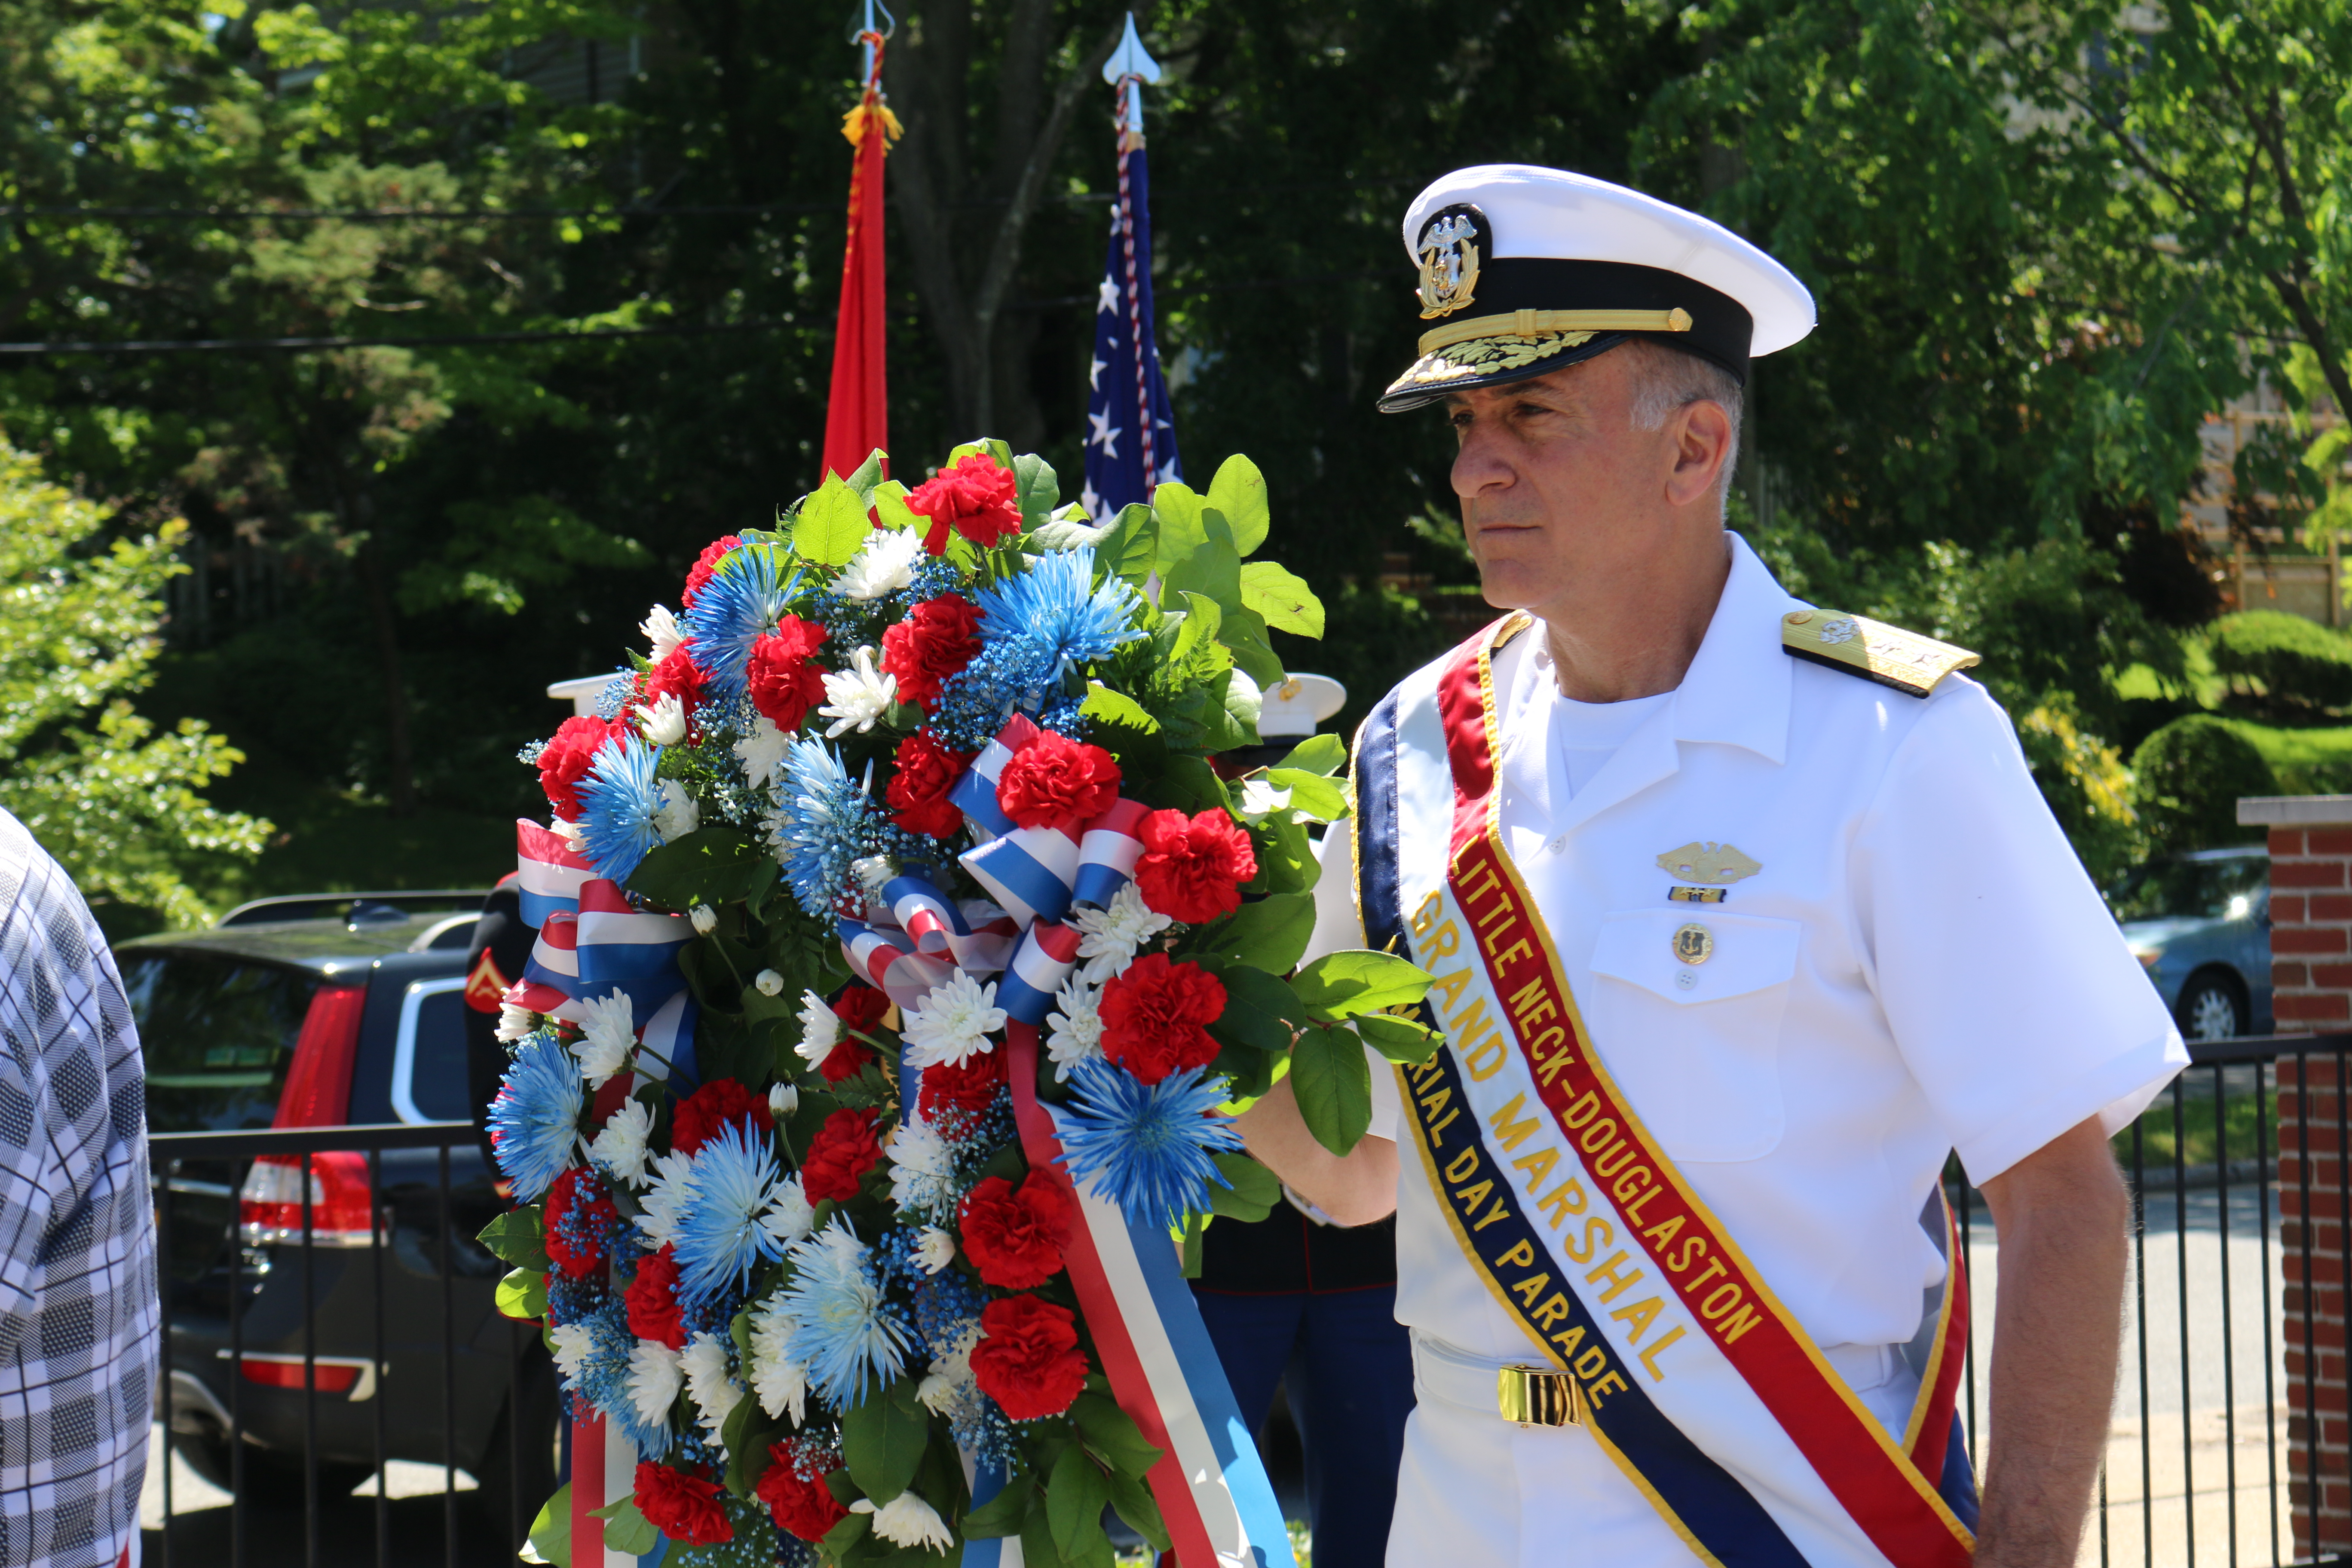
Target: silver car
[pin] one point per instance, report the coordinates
(2200, 923)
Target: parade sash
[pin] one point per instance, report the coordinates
(1687, 1370)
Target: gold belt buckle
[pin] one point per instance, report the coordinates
(1538, 1396)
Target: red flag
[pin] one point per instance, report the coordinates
(856, 419)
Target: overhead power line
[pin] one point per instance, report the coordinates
(298, 346)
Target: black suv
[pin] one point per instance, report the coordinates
(320, 1012)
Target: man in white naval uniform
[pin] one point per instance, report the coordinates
(1820, 927)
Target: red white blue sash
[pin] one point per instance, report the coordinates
(1697, 1383)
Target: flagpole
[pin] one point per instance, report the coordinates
(1128, 70)
(857, 409)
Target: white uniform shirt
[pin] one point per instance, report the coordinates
(1921, 964)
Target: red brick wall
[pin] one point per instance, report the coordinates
(2311, 976)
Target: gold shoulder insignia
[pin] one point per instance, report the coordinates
(1888, 655)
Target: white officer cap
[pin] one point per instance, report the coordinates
(1526, 270)
(1298, 705)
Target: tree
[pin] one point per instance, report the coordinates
(120, 804)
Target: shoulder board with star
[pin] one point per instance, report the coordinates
(1888, 655)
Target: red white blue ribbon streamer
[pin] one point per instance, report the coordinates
(974, 794)
(1047, 953)
(619, 948)
(548, 873)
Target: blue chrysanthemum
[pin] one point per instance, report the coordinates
(535, 1120)
(718, 1233)
(618, 800)
(740, 604)
(1145, 1146)
(823, 824)
(1055, 606)
(838, 1323)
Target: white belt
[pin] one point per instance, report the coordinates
(1448, 1372)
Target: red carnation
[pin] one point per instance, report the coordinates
(1056, 782)
(844, 1149)
(677, 676)
(1192, 868)
(1015, 1239)
(969, 1085)
(683, 1507)
(701, 1115)
(1028, 1358)
(580, 1215)
(780, 677)
(1155, 1016)
(565, 762)
(652, 1300)
(919, 791)
(975, 496)
(862, 1008)
(705, 564)
(936, 640)
(805, 1507)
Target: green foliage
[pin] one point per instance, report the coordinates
(522, 1294)
(517, 1237)
(1250, 1193)
(551, 1529)
(2086, 785)
(118, 802)
(2293, 661)
(1334, 1086)
(2187, 781)
(882, 1440)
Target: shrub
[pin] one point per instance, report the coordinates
(2294, 660)
(2188, 778)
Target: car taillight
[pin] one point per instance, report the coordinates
(328, 1374)
(319, 1081)
(270, 1209)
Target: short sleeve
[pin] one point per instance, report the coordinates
(2008, 986)
(1338, 926)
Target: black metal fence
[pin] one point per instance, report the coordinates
(314, 1333)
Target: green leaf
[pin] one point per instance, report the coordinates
(1177, 509)
(1002, 1514)
(1284, 600)
(1254, 1191)
(1116, 708)
(1074, 1498)
(1213, 567)
(882, 1440)
(1239, 492)
(1311, 794)
(1243, 637)
(745, 1435)
(1131, 1499)
(868, 476)
(1189, 784)
(832, 525)
(1343, 984)
(1242, 701)
(1130, 550)
(997, 450)
(1256, 1003)
(1399, 1039)
(890, 507)
(1324, 754)
(1269, 934)
(1334, 1085)
(1112, 1433)
(523, 1294)
(518, 1238)
(626, 1531)
(844, 1537)
(1193, 628)
(551, 1530)
(1040, 491)
(717, 865)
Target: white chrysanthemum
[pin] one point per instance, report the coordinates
(953, 1022)
(662, 632)
(608, 1033)
(620, 1147)
(934, 1249)
(676, 816)
(515, 1024)
(1258, 797)
(1111, 935)
(761, 752)
(820, 1029)
(779, 1382)
(665, 1196)
(884, 564)
(857, 697)
(572, 1343)
(715, 1392)
(949, 1384)
(662, 721)
(782, 1099)
(938, 1395)
(1074, 1033)
(574, 838)
(789, 1215)
(873, 873)
(922, 1170)
(654, 1381)
(704, 919)
(907, 1520)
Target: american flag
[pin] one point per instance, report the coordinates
(1130, 430)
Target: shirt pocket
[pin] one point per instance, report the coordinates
(1696, 1047)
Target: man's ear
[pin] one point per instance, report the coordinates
(1703, 436)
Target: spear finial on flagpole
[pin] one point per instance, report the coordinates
(1128, 66)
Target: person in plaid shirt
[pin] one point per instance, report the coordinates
(77, 1283)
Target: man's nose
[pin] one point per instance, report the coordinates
(1479, 463)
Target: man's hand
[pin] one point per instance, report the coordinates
(1358, 1189)
(2064, 1220)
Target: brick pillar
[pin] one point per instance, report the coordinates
(2311, 979)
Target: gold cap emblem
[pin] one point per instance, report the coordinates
(1708, 864)
(1449, 262)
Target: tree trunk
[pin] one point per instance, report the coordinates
(399, 767)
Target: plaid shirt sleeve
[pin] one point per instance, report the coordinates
(78, 1283)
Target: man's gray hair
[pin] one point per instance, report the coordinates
(1667, 379)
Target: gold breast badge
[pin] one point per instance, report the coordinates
(1711, 868)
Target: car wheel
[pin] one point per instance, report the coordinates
(273, 1482)
(515, 1480)
(2210, 1008)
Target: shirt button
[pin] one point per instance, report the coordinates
(1559, 844)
